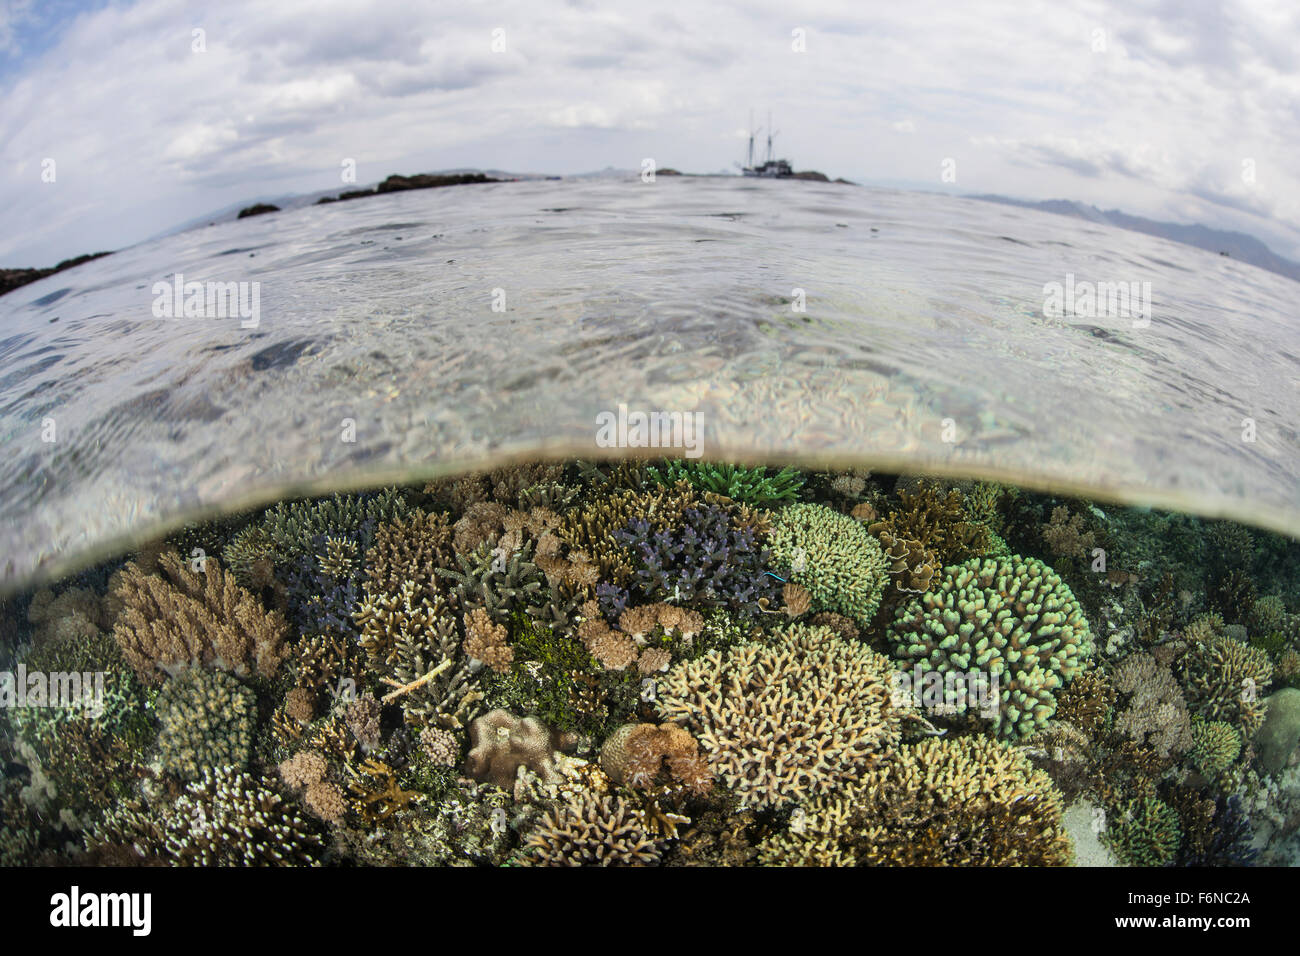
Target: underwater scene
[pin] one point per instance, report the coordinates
(662, 662)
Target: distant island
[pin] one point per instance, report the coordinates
(1235, 245)
(11, 279)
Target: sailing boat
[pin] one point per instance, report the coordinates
(770, 168)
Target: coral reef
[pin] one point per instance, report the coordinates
(1009, 617)
(833, 556)
(784, 722)
(207, 719)
(193, 618)
(1154, 712)
(639, 755)
(968, 801)
(1215, 746)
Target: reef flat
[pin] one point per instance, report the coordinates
(662, 663)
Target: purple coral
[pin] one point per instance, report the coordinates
(705, 561)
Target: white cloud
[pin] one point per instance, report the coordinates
(147, 133)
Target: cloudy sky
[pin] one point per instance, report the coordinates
(1185, 110)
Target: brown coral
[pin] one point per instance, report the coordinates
(796, 598)
(1226, 680)
(485, 641)
(1065, 535)
(501, 743)
(587, 829)
(1154, 713)
(639, 755)
(184, 618)
(785, 721)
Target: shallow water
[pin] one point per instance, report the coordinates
(924, 347)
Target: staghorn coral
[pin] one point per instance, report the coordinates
(496, 579)
(1154, 713)
(639, 755)
(189, 619)
(936, 522)
(706, 561)
(224, 819)
(501, 743)
(1215, 746)
(409, 549)
(1233, 595)
(1012, 618)
(1225, 680)
(207, 719)
(591, 529)
(1088, 703)
(786, 721)
(1144, 832)
(291, 530)
(414, 647)
(1218, 835)
(833, 556)
(967, 801)
(586, 829)
(748, 485)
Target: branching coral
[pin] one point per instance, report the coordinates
(936, 523)
(485, 641)
(1215, 745)
(1144, 832)
(786, 721)
(833, 556)
(191, 618)
(207, 719)
(968, 801)
(1226, 680)
(591, 529)
(414, 646)
(590, 830)
(749, 485)
(706, 561)
(291, 530)
(1011, 618)
(224, 819)
(1153, 712)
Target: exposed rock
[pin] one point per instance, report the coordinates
(257, 209)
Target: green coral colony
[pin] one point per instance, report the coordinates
(666, 663)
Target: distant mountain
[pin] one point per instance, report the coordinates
(1238, 245)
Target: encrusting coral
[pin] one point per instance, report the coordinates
(783, 722)
(1011, 618)
(191, 618)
